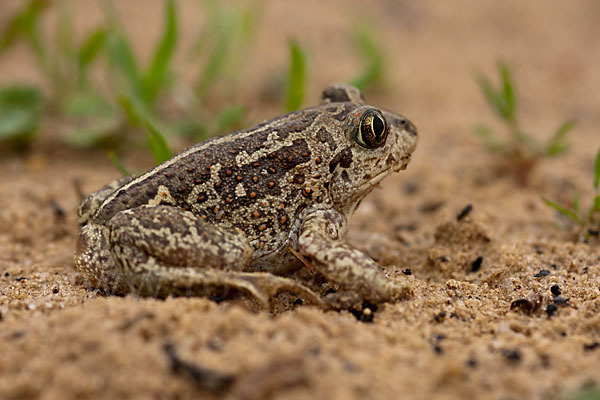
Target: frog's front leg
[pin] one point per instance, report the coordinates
(162, 250)
(321, 241)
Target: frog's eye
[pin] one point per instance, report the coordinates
(372, 130)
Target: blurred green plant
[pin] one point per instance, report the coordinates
(368, 49)
(520, 150)
(145, 96)
(296, 78)
(590, 219)
(145, 84)
(20, 114)
(592, 393)
(137, 88)
(118, 164)
(86, 112)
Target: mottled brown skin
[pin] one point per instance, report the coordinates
(239, 210)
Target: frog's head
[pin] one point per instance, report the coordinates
(372, 144)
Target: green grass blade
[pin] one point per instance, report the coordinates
(156, 141)
(65, 34)
(596, 206)
(155, 76)
(121, 56)
(22, 23)
(118, 164)
(493, 99)
(138, 115)
(508, 92)
(556, 145)
(597, 171)
(87, 53)
(296, 80)
(563, 210)
(368, 49)
(215, 64)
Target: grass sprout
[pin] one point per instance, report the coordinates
(296, 78)
(520, 150)
(368, 49)
(589, 219)
(117, 163)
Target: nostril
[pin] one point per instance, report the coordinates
(400, 122)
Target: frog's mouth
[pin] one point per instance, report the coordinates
(364, 188)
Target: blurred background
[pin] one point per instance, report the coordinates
(117, 75)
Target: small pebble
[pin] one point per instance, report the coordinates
(560, 301)
(407, 271)
(543, 272)
(472, 363)
(476, 265)
(591, 346)
(465, 211)
(551, 309)
(512, 355)
(555, 289)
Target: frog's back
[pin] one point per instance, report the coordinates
(256, 180)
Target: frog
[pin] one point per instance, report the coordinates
(246, 210)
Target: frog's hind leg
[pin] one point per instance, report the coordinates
(164, 250)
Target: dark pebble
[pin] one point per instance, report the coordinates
(512, 355)
(560, 301)
(55, 290)
(465, 211)
(298, 302)
(476, 265)
(208, 379)
(551, 309)
(555, 289)
(543, 272)
(21, 279)
(439, 317)
(591, 346)
(472, 363)
(59, 212)
(407, 271)
(7, 274)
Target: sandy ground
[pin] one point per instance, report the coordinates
(505, 305)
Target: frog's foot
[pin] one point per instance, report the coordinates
(160, 280)
(361, 278)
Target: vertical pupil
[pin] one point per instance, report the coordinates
(377, 126)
